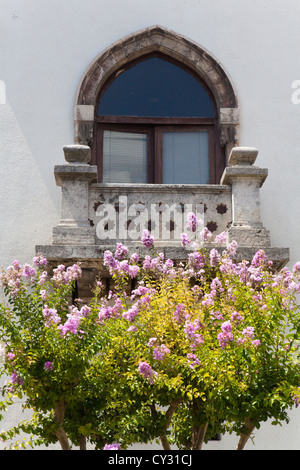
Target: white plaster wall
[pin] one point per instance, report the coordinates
(45, 47)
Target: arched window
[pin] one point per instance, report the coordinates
(156, 107)
(156, 123)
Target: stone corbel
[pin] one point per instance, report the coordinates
(229, 129)
(74, 178)
(84, 125)
(246, 181)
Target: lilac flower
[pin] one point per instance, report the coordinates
(10, 356)
(208, 300)
(11, 278)
(147, 239)
(248, 332)
(180, 315)
(221, 238)
(113, 446)
(205, 234)
(42, 277)
(29, 272)
(146, 371)
(237, 317)
(50, 315)
(196, 260)
(132, 328)
(40, 261)
(16, 379)
(214, 257)
(48, 365)
(185, 240)
(72, 323)
(152, 342)
(216, 286)
(194, 361)
(224, 339)
(121, 251)
(216, 315)
(85, 310)
(259, 259)
(160, 352)
(190, 330)
(227, 266)
(133, 271)
(296, 268)
(65, 276)
(108, 311)
(109, 260)
(134, 258)
(141, 290)
(226, 327)
(256, 342)
(43, 294)
(225, 336)
(16, 265)
(131, 313)
(192, 222)
(232, 248)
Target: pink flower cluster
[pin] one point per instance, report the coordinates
(159, 351)
(146, 371)
(50, 315)
(120, 267)
(185, 241)
(191, 330)
(193, 360)
(113, 446)
(108, 311)
(63, 275)
(180, 315)
(131, 313)
(74, 319)
(16, 379)
(225, 336)
(192, 222)
(147, 239)
(48, 365)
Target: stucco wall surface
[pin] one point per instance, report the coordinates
(45, 49)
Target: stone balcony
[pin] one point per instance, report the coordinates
(94, 216)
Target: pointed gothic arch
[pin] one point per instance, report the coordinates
(134, 47)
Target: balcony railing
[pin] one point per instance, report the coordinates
(94, 216)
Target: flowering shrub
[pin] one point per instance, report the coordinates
(194, 349)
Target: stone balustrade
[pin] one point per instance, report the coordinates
(94, 216)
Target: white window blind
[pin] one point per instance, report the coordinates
(124, 157)
(185, 158)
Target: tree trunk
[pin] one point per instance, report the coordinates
(245, 436)
(82, 443)
(169, 414)
(60, 433)
(198, 436)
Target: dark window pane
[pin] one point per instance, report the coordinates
(156, 88)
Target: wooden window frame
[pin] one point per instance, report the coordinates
(154, 127)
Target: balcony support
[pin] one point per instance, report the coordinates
(75, 178)
(246, 180)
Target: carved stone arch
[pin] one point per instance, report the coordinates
(173, 45)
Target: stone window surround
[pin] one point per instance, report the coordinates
(151, 40)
